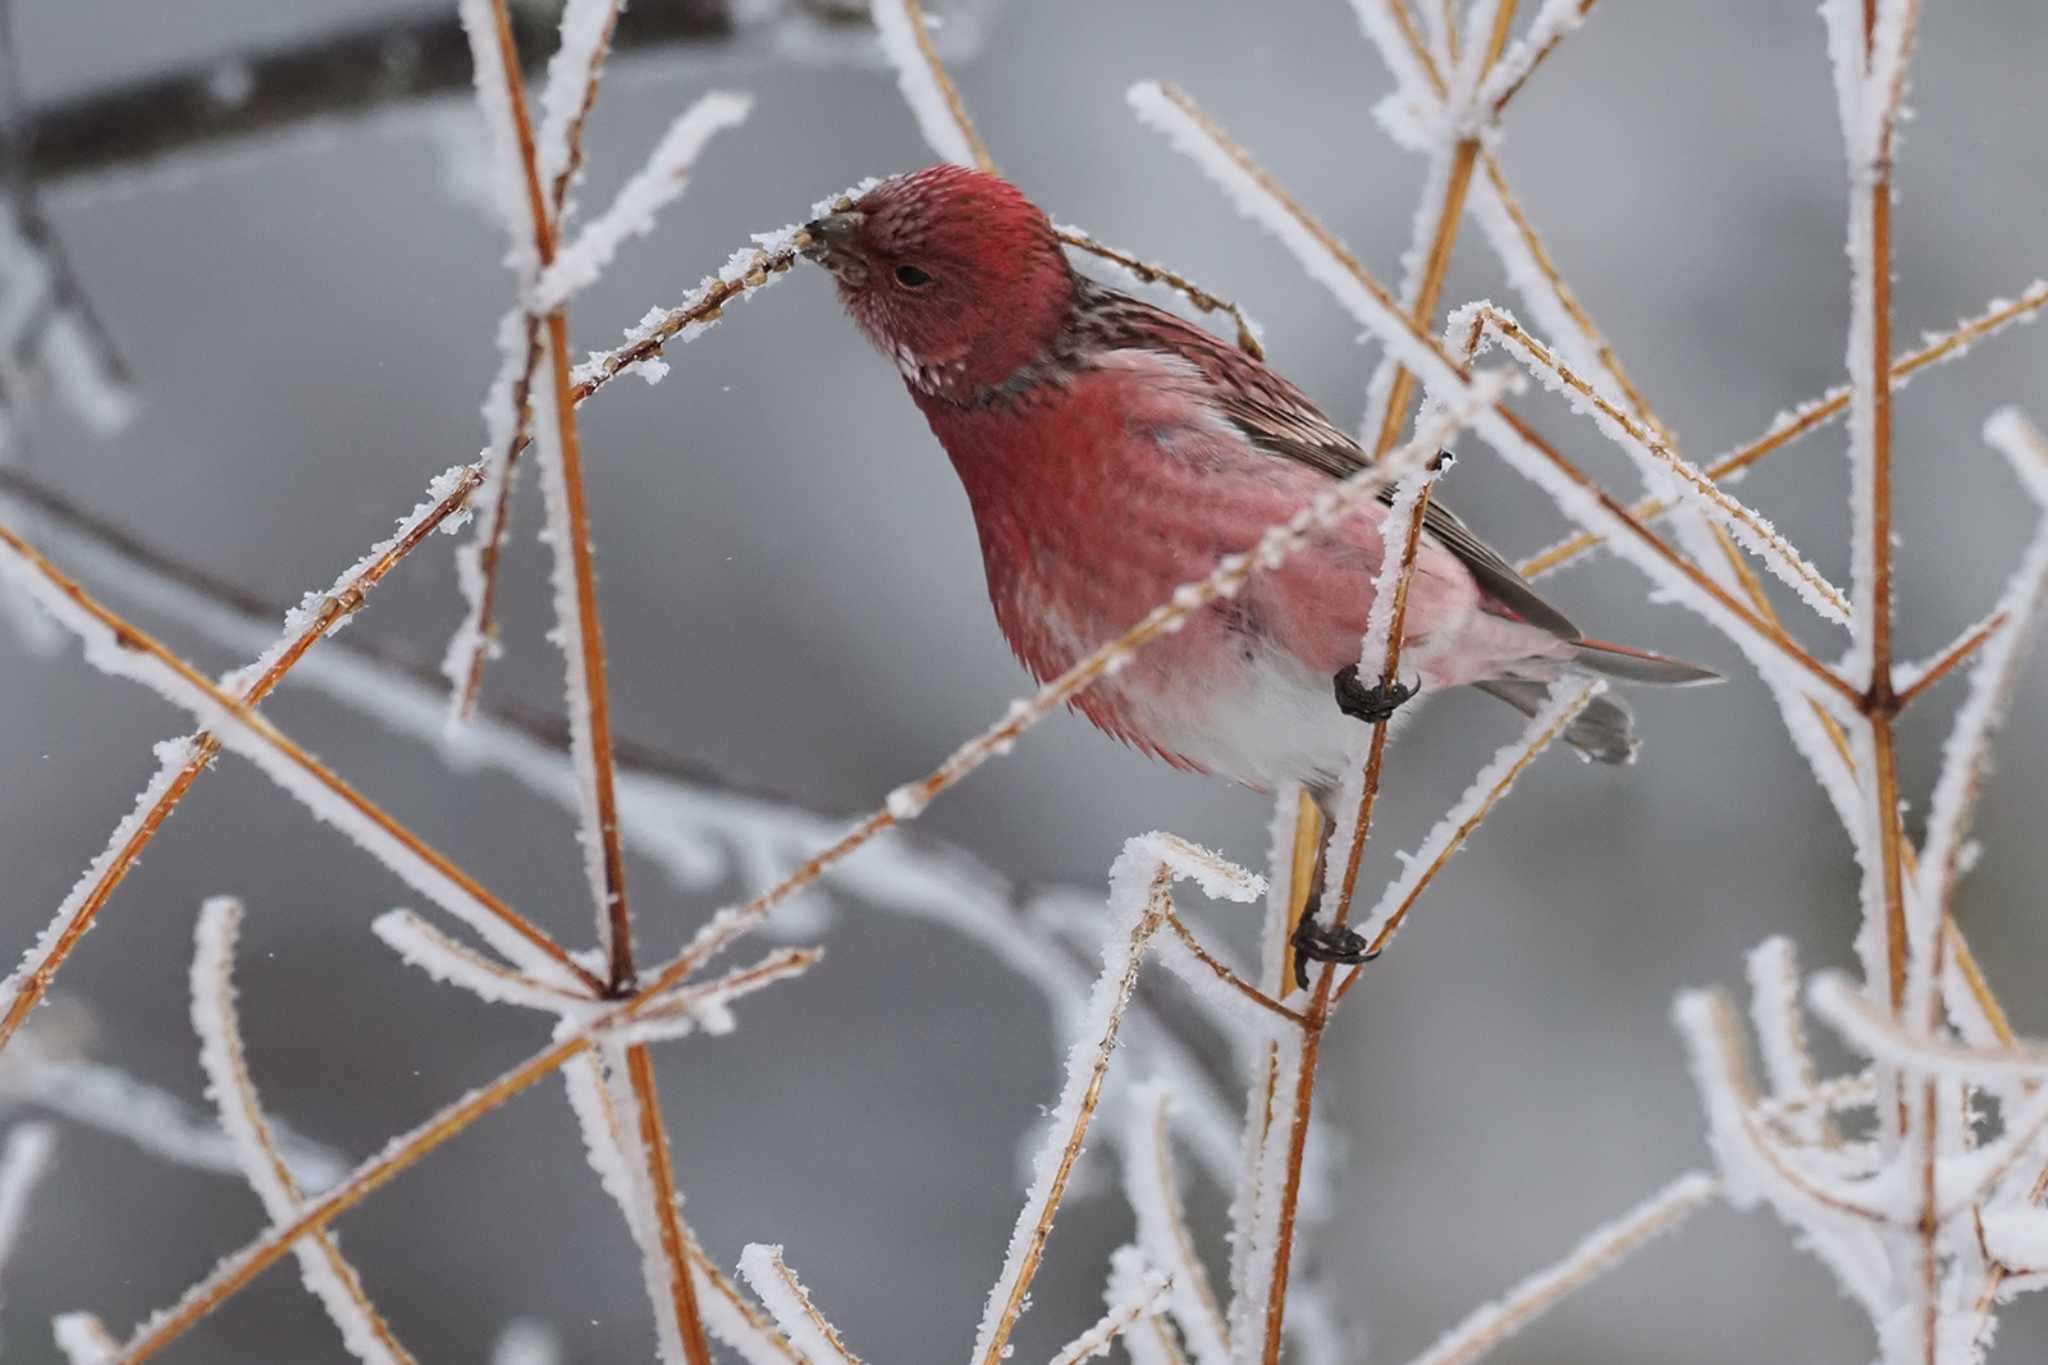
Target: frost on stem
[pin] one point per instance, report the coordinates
(927, 89)
(816, 1340)
(1136, 1295)
(1598, 1252)
(1140, 888)
(657, 184)
(1152, 1186)
(329, 1278)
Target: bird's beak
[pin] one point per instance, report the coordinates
(832, 241)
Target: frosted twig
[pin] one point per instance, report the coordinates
(1140, 888)
(786, 1299)
(22, 1161)
(708, 1006)
(1915, 680)
(1494, 781)
(1656, 459)
(233, 1274)
(1554, 22)
(1993, 679)
(122, 649)
(575, 584)
(1379, 658)
(1368, 301)
(444, 959)
(1752, 1164)
(330, 1278)
(1152, 1186)
(1806, 418)
(569, 94)
(182, 761)
(652, 188)
(1218, 982)
(1601, 1250)
(1835, 999)
(1128, 1307)
(1775, 1014)
(660, 1189)
(1148, 272)
(927, 89)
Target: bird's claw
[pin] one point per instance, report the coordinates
(1313, 942)
(1374, 705)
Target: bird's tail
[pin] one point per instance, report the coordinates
(1638, 665)
(1604, 731)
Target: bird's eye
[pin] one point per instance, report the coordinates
(910, 277)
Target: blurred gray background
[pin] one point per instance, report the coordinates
(793, 594)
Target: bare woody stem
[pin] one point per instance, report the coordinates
(613, 915)
(244, 714)
(1436, 268)
(206, 747)
(1318, 1013)
(1810, 417)
(668, 1222)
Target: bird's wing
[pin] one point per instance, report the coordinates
(1279, 419)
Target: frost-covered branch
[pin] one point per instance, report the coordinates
(1599, 1251)
(329, 1278)
(786, 1299)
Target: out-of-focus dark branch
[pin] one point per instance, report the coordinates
(333, 74)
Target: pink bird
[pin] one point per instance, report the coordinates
(1111, 451)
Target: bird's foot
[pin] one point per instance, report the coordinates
(1313, 942)
(1374, 705)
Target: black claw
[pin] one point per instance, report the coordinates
(1374, 705)
(1312, 942)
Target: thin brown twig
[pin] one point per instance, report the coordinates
(1149, 273)
(1953, 657)
(1228, 977)
(234, 1088)
(668, 1221)
(234, 1273)
(1541, 357)
(1033, 1251)
(1810, 417)
(1464, 832)
(1320, 1005)
(252, 720)
(614, 916)
(206, 747)
(1500, 101)
(956, 106)
(1437, 266)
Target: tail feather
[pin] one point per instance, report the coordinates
(1638, 665)
(1604, 731)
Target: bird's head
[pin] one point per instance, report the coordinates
(951, 272)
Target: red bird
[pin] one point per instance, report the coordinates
(1112, 451)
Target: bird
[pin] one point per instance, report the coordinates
(1111, 450)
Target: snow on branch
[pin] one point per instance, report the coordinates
(1993, 679)
(1494, 781)
(1136, 1294)
(927, 89)
(444, 959)
(119, 648)
(1152, 1186)
(1661, 466)
(329, 1278)
(1598, 1252)
(1140, 890)
(656, 185)
(783, 1294)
